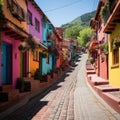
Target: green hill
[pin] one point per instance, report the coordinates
(83, 20)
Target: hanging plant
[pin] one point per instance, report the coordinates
(117, 41)
(22, 47)
(96, 47)
(2, 21)
(105, 11)
(92, 60)
(103, 57)
(104, 48)
(44, 55)
(31, 43)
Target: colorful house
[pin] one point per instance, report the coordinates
(111, 17)
(70, 47)
(35, 29)
(46, 61)
(66, 51)
(102, 43)
(14, 30)
(59, 36)
(49, 39)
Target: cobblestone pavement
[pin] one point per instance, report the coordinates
(70, 99)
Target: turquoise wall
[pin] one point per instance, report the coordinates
(45, 66)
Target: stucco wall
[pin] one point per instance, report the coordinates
(9, 16)
(114, 72)
(46, 67)
(35, 14)
(33, 64)
(15, 57)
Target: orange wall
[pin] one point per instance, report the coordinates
(33, 65)
(9, 16)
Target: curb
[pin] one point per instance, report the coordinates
(28, 98)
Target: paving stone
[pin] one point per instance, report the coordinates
(70, 99)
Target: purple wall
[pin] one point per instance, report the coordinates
(38, 15)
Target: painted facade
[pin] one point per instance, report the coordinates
(102, 57)
(47, 63)
(59, 49)
(111, 19)
(35, 29)
(14, 31)
(114, 69)
(59, 39)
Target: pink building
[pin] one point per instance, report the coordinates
(59, 39)
(13, 32)
(101, 37)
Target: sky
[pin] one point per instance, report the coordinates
(60, 12)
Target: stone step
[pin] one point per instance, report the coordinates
(11, 95)
(107, 88)
(90, 72)
(100, 82)
(3, 106)
(7, 87)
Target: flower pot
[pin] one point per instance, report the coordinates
(117, 44)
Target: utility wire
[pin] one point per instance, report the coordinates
(67, 5)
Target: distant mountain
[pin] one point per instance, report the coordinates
(83, 20)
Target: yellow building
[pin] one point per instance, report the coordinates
(112, 28)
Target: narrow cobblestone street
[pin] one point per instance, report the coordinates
(70, 99)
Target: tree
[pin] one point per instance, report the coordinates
(73, 32)
(83, 37)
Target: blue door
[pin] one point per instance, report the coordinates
(6, 64)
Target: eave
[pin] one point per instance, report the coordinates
(12, 30)
(113, 19)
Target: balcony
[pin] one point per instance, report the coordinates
(112, 16)
(16, 10)
(12, 30)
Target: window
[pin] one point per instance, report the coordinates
(115, 56)
(37, 25)
(30, 18)
(36, 55)
(22, 13)
(14, 8)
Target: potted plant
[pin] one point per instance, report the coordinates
(92, 60)
(43, 78)
(44, 55)
(20, 84)
(32, 43)
(117, 42)
(104, 48)
(103, 57)
(22, 47)
(37, 75)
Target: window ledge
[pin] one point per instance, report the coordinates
(35, 60)
(115, 66)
